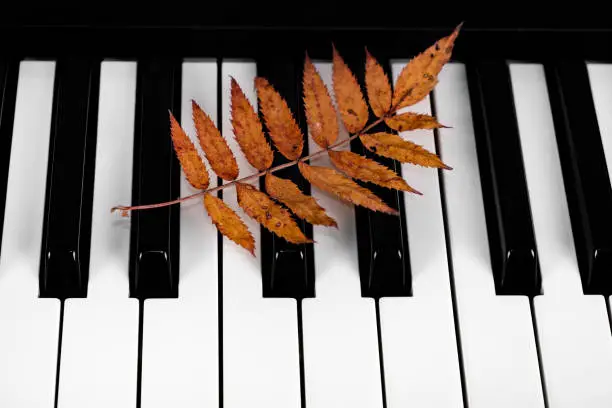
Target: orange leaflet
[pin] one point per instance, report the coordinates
(378, 86)
(353, 109)
(305, 207)
(394, 147)
(347, 190)
(229, 223)
(412, 121)
(215, 147)
(188, 156)
(420, 75)
(320, 112)
(362, 168)
(248, 130)
(271, 215)
(282, 127)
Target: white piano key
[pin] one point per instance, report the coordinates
(99, 359)
(600, 75)
(29, 325)
(418, 332)
(180, 357)
(341, 356)
(260, 335)
(574, 330)
(498, 343)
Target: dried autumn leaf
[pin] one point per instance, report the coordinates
(271, 215)
(282, 127)
(332, 181)
(213, 144)
(188, 156)
(229, 223)
(353, 108)
(377, 86)
(305, 207)
(393, 146)
(420, 75)
(320, 112)
(248, 130)
(411, 121)
(362, 168)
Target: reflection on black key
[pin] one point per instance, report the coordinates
(287, 269)
(509, 223)
(9, 72)
(382, 240)
(67, 225)
(585, 172)
(154, 244)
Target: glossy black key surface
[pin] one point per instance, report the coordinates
(585, 172)
(154, 244)
(9, 72)
(64, 266)
(382, 240)
(287, 269)
(508, 215)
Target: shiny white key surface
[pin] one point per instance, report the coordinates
(341, 360)
(29, 325)
(260, 337)
(99, 359)
(180, 341)
(600, 75)
(497, 337)
(418, 332)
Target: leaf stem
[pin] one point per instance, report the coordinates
(125, 209)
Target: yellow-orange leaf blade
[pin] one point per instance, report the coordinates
(320, 112)
(248, 130)
(216, 149)
(271, 215)
(420, 75)
(188, 156)
(362, 168)
(393, 146)
(229, 223)
(378, 86)
(352, 106)
(333, 182)
(305, 207)
(412, 121)
(282, 127)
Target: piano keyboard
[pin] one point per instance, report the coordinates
(490, 290)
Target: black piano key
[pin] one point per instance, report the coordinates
(9, 73)
(508, 215)
(585, 172)
(154, 240)
(287, 269)
(382, 240)
(66, 234)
